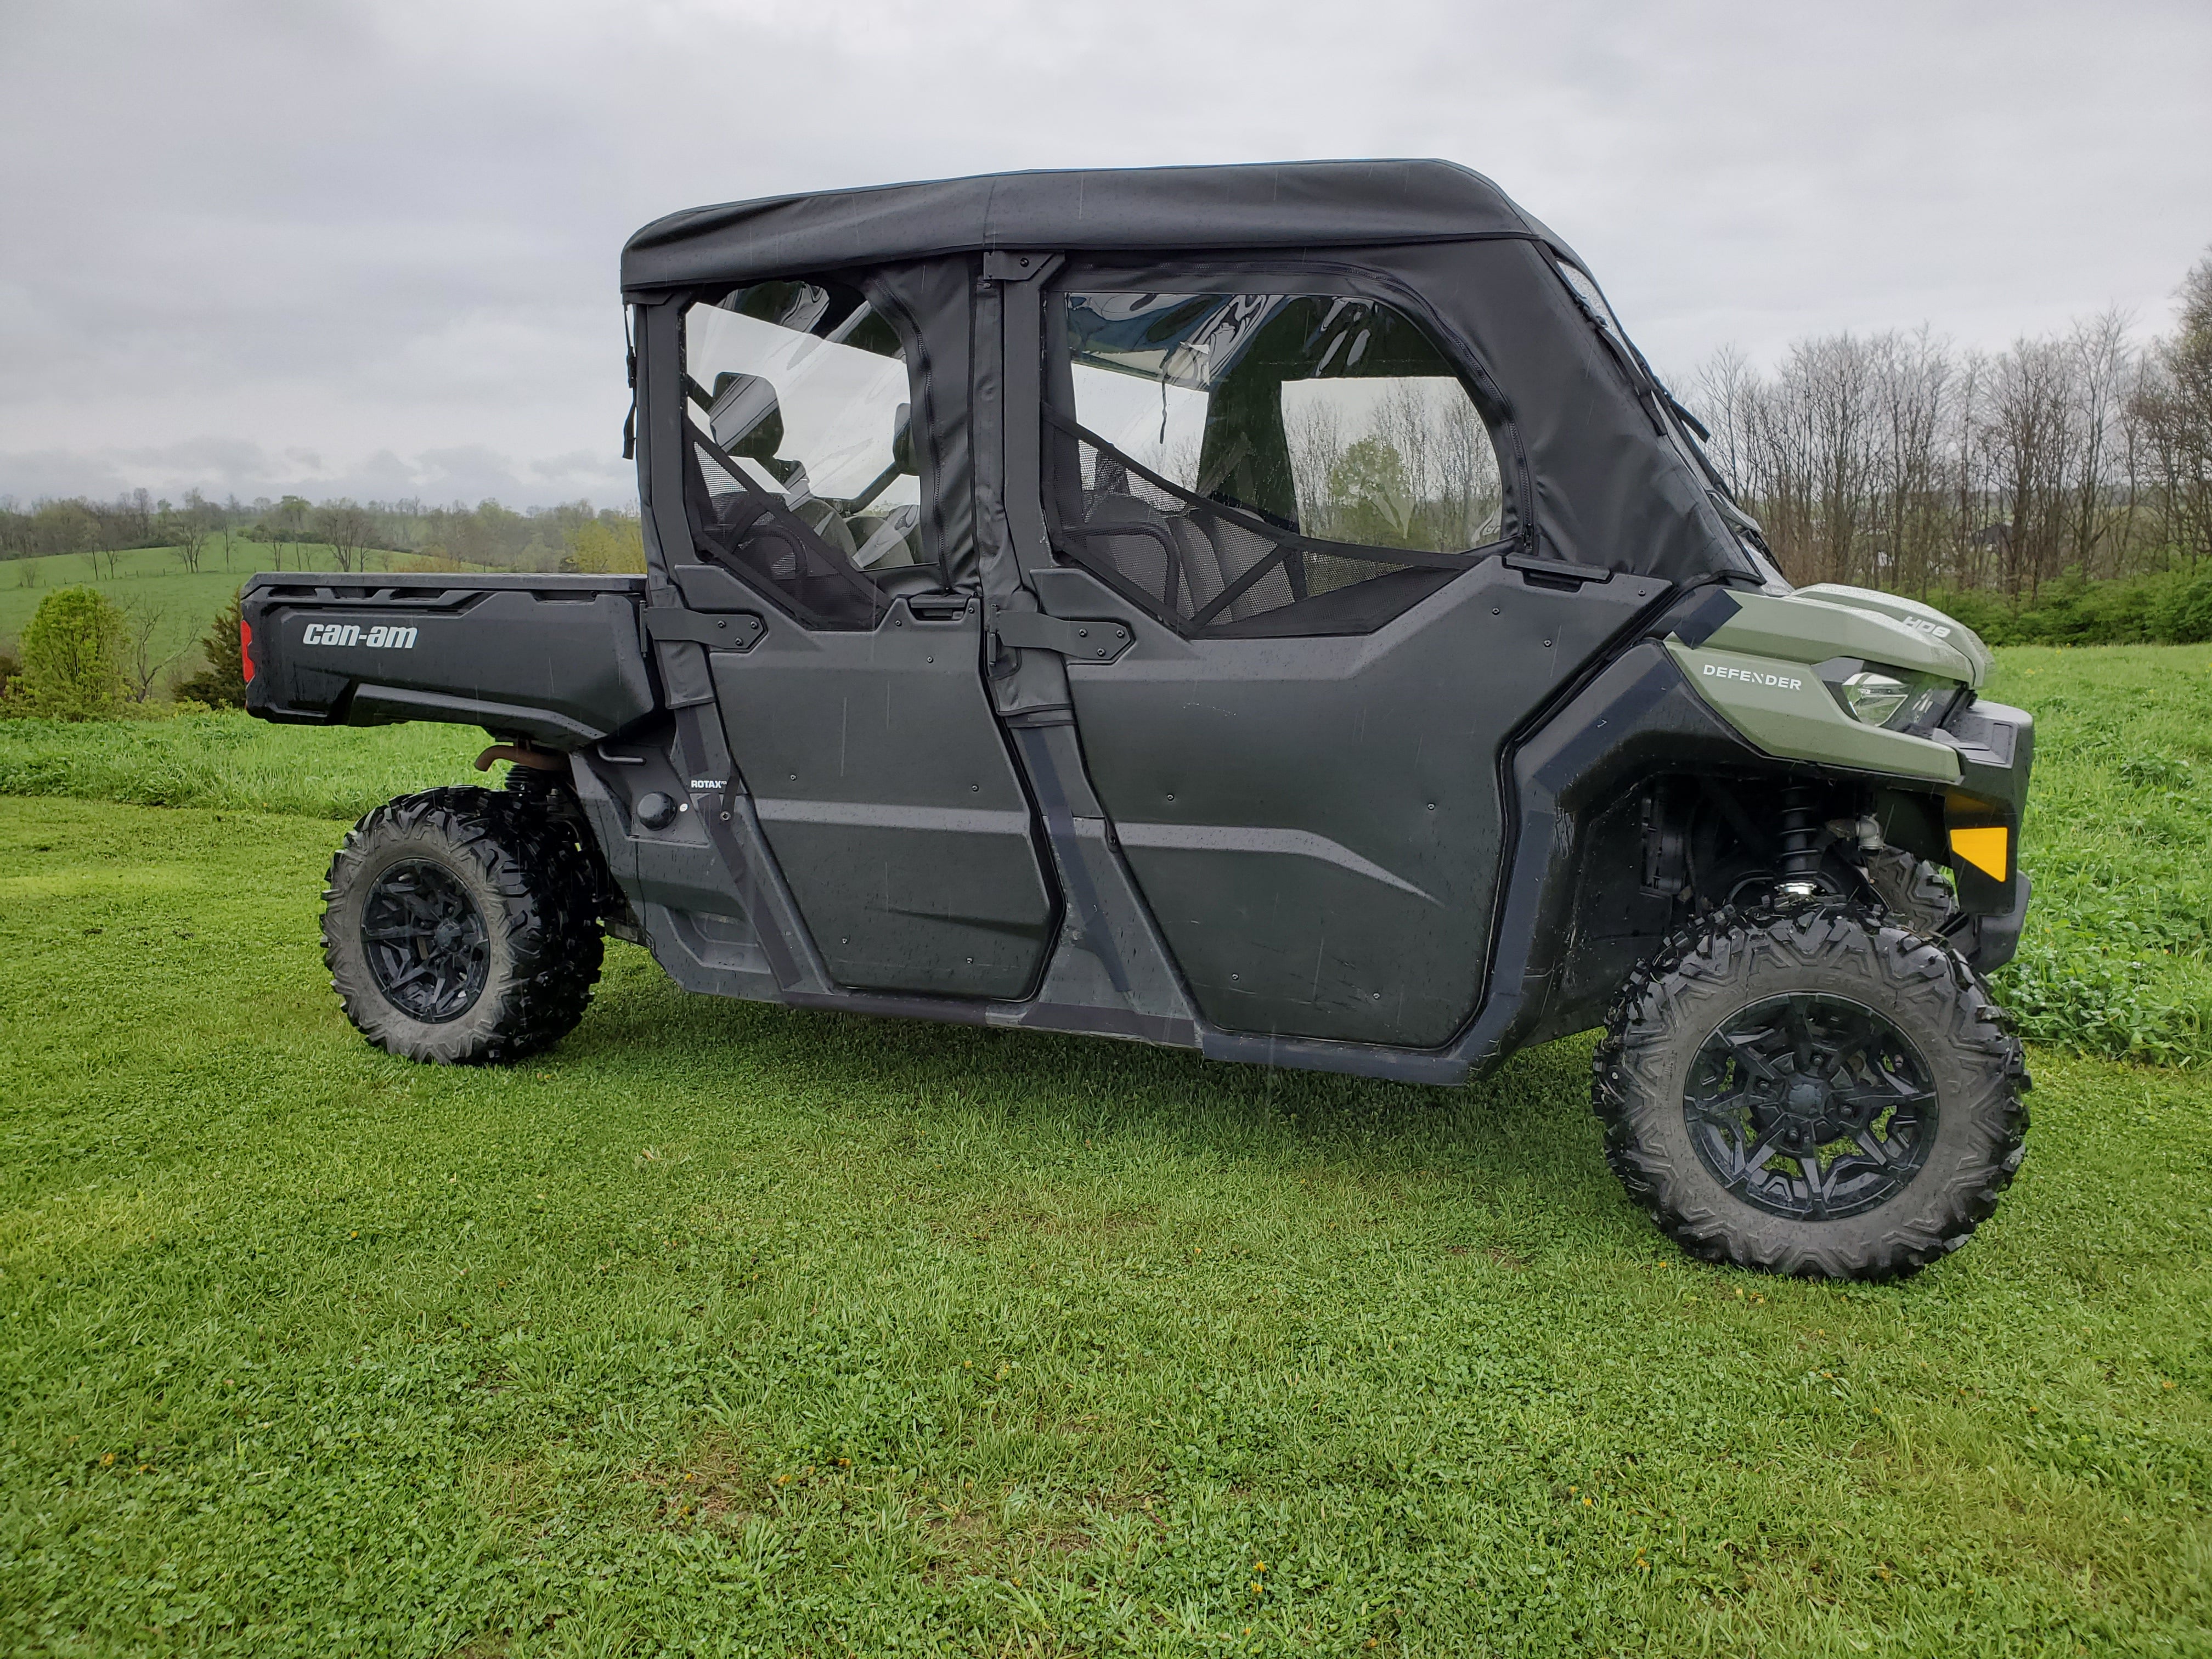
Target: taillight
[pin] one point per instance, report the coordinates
(245, 649)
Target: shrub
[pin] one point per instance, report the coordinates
(72, 659)
(601, 548)
(221, 683)
(2183, 615)
(2174, 608)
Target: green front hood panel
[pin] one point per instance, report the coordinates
(1756, 672)
(1815, 624)
(1923, 619)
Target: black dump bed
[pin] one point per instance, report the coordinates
(557, 661)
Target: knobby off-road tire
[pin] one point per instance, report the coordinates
(460, 928)
(1912, 890)
(1882, 1014)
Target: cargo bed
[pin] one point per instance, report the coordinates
(554, 660)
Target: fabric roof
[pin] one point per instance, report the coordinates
(1292, 204)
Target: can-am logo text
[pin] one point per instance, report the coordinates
(1779, 682)
(387, 638)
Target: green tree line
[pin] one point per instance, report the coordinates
(267, 532)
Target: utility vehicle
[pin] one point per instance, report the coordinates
(1269, 611)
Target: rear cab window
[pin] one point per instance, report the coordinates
(801, 470)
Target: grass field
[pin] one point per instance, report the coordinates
(731, 1328)
(2119, 841)
(231, 761)
(152, 580)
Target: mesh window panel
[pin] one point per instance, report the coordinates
(1209, 569)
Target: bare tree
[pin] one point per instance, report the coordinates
(286, 521)
(2100, 370)
(1721, 392)
(346, 527)
(1897, 460)
(141, 666)
(1911, 376)
(188, 529)
(2173, 403)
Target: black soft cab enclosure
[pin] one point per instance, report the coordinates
(1272, 610)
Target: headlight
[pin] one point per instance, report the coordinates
(1897, 698)
(1875, 697)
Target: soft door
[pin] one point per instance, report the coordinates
(855, 711)
(1299, 503)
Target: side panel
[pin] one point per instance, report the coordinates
(1316, 822)
(885, 791)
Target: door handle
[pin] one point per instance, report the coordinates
(938, 610)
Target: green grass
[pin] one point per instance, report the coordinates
(2119, 842)
(727, 1328)
(229, 760)
(152, 579)
(724, 1328)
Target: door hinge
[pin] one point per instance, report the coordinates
(729, 630)
(1000, 266)
(1080, 640)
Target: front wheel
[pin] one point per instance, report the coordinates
(460, 928)
(1814, 1091)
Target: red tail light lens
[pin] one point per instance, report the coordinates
(245, 649)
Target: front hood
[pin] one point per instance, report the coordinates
(1813, 624)
(1924, 619)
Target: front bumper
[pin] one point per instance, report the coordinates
(1982, 816)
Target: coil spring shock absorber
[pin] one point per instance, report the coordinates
(1801, 844)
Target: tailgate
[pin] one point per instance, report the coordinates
(556, 659)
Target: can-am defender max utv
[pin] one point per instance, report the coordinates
(1271, 610)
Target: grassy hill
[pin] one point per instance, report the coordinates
(723, 1327)
(727, 1328)
(153, 580)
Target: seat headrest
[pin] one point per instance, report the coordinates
(745, 418)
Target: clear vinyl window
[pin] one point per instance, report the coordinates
(803, 474)
(1238, 456)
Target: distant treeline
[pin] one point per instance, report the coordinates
(574, 535)
(1896, 461)
(1893, 460)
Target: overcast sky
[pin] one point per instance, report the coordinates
(370, 248)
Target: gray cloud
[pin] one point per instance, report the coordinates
(277, 245)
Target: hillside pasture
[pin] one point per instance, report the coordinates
(152, 580)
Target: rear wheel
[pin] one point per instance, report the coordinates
(1814, 1091)
(460, 928)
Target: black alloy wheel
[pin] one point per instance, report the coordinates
(1811, 1106)
(425, 941)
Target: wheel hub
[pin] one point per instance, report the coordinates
(427, 949)
(1810, 1106)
